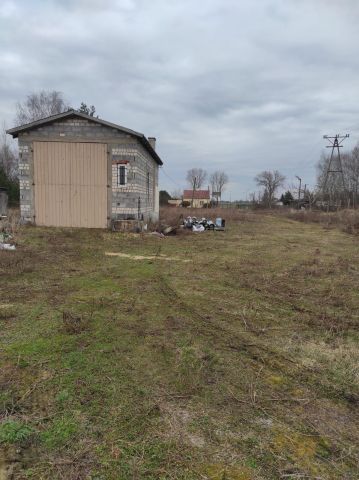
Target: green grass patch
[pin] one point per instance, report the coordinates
(14, 431)
(60, 433)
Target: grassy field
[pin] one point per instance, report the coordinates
(223, 356)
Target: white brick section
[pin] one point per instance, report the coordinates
(24, 185)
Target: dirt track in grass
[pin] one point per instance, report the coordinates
(239, 362)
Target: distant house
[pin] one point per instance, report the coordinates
(200, 197)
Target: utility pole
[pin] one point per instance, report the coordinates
(300, 188)
(335, 144)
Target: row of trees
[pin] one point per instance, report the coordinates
(42, 104)
(332, 188)
(269, 181)
(339, 190)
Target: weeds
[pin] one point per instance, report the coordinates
(189, 370)
(14, 431)
(239, 364)
(74, 324)
(346, 220)
(59, 433)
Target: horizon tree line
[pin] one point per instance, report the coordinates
(340, 191)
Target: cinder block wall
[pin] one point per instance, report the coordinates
(136, 197)
(129, 201)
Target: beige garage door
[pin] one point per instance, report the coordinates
(70, 184)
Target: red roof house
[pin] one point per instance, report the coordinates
(200, 197)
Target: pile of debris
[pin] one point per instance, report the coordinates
(5, 227)
(191, 223)
(200, 225)
(4, 238)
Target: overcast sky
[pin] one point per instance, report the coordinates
(237, 85)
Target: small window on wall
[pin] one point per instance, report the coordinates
(121, 175)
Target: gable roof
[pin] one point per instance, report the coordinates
(74, 113)
(197, 194)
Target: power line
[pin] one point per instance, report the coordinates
(173, 181)
(308, 163)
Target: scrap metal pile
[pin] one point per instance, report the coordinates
(200, 225)
(4, 238)
(191, 223)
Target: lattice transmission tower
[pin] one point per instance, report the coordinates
(335, 166)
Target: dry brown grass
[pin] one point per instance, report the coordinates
(11, 224)
(346, 220)
(240, 363)
(74, 324)
(174, 215)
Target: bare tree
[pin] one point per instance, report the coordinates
(310, 197)
(196, 177)
(351, 173)
(8, 166)
(254, 198)
(270, 181)
(40, 105)
(218, 182)
(8, 155)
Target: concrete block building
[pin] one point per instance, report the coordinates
(80, 171)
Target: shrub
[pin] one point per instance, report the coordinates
(13, 431)
(11, 185)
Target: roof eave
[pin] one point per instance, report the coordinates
(70, 113)
(153, 152)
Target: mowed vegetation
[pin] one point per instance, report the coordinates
(224, 355)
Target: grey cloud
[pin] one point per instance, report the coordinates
(243, 86)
